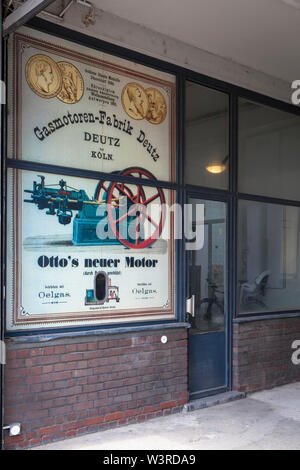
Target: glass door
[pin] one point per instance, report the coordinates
(206, 265)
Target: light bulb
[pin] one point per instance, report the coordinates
(215, 168)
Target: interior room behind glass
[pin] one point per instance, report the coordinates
(269, 151)
(268, 257)
(207, 267)
(207, 137)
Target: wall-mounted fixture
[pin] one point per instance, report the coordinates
(14, 429)
(87, 19)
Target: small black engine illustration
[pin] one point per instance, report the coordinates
(103, 291)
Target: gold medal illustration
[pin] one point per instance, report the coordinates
(43, 76)
(72, 83)
(157, 110)
(135, 101)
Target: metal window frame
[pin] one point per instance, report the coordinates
(3, 229)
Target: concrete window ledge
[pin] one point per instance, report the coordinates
(41, 338)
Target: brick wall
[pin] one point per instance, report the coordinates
(78, 385)
(262, 354)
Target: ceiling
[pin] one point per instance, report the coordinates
(261, 34)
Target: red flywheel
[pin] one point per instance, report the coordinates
(144, 224)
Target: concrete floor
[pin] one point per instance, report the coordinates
(264, 420)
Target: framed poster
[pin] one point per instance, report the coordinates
(84, 251)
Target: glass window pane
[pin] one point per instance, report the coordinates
(207, 267)
(269, 262)
(207, 137)
(269, 151)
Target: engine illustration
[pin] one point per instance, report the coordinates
(126, 218)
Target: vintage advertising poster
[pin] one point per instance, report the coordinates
(84, 250)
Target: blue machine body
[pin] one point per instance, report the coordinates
(88, 226)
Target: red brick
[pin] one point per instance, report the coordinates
(133, 412)
(37, 351)
(96, 420)
(36, 370)
(82, 365)
(10, 354)
(36, 387)
(50, 359)
(60, 375)
(14, 382)
(73, 425)
(82, 372)
(35, 441)
(71, 356)
(168, 404)
(14, 439)
(23, 353)
(34, 379)
(17, 363)
(70, 365)
(151, 409)
(113, 416)
(71, 433)
(48, 350)
(83, 406)
(48, 430)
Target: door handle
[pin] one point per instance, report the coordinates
(190, 305)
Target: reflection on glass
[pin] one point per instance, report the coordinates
(207, 269)
(269, 261)
(269, 142)
(207, 137)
